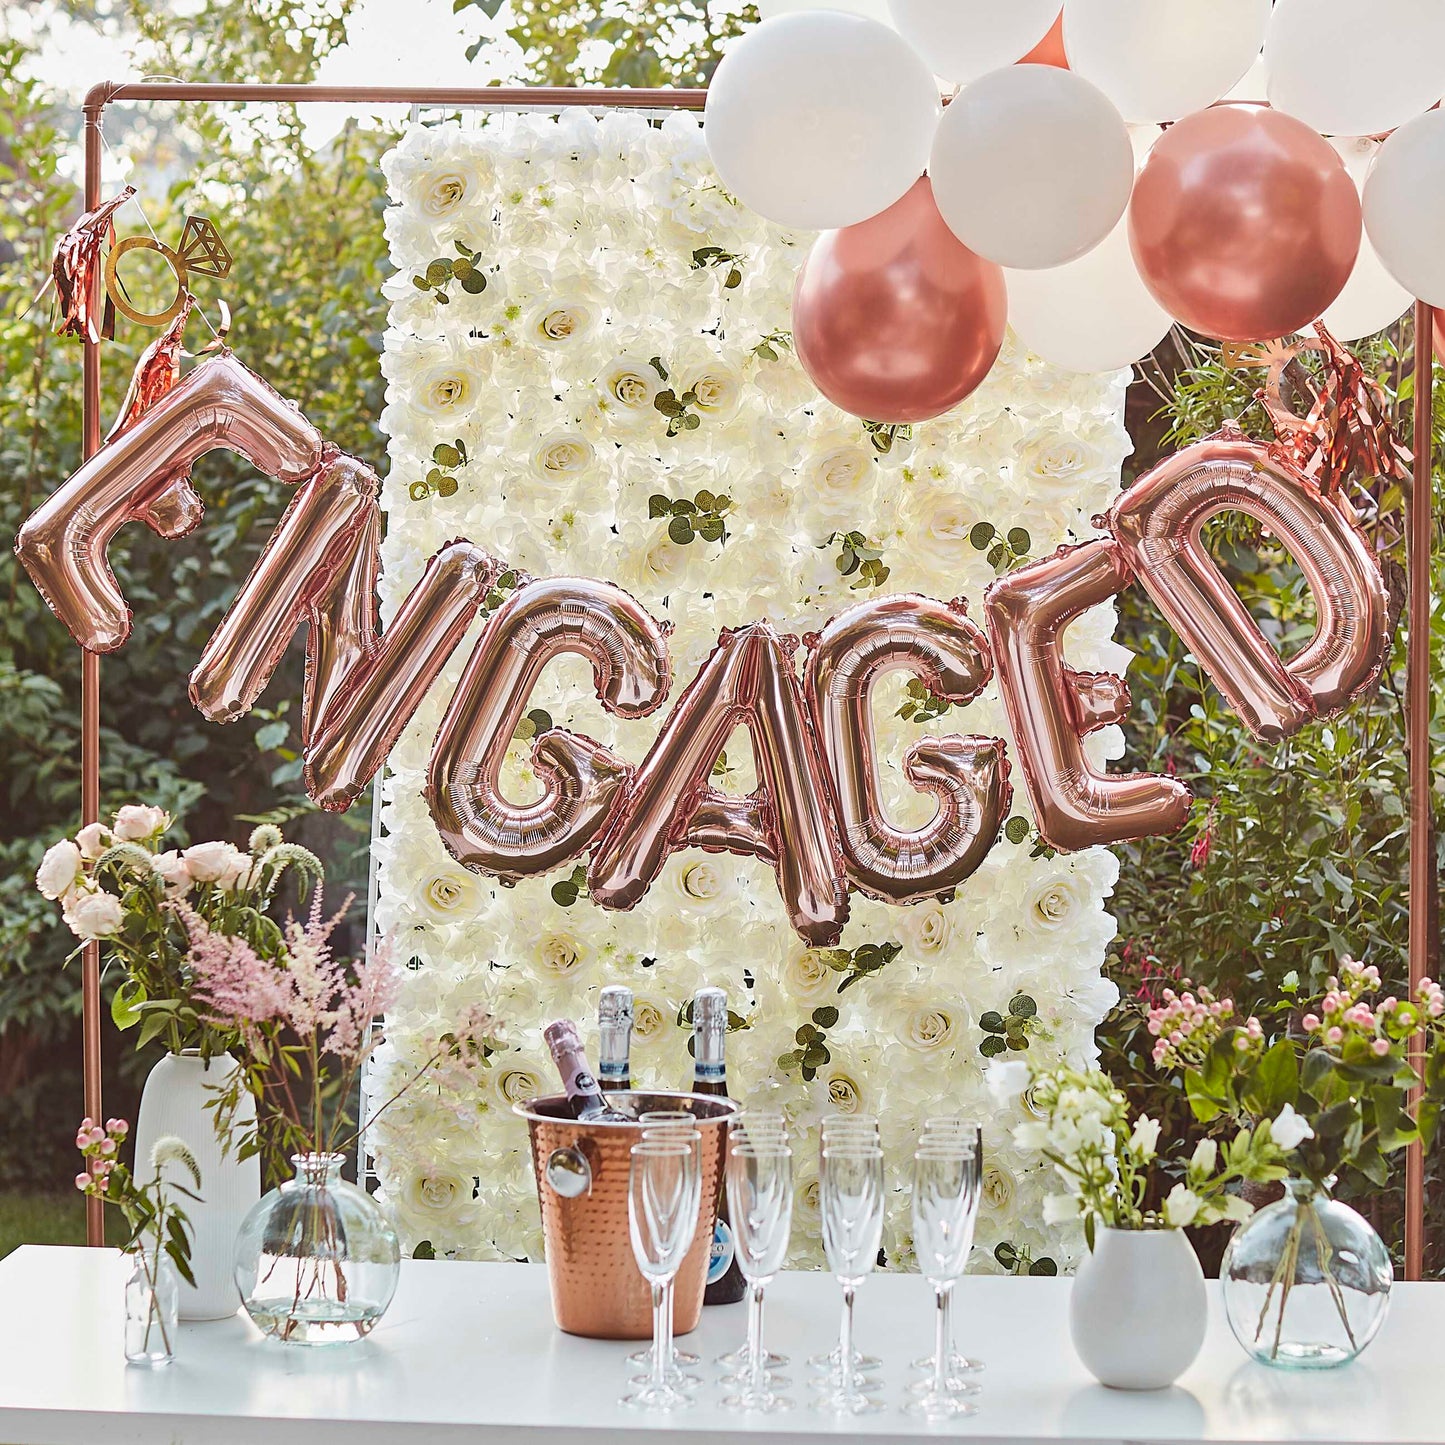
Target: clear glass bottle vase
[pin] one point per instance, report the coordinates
(152, 1298)
(1306, 1280)
(317, 1259)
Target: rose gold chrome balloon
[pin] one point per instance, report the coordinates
(895, 319)
(1244, 223)
(141, 475)
(318, 536)
(967, 775)
(581, 779)
(749, 682)
(1160, 519)
(1050, 707)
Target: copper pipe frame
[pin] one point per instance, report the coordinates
(1420, 526)
(1417, 730)
(93, 110)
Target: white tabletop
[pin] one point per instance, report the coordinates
(469, 1352)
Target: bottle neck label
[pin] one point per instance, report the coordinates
(707, 1072)
(720, 1258)
(609, 1069)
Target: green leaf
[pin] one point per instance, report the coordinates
(445, 455)
(1016, 829)
(1019, 540)
(680, 530)
(439, 271)
(1275, 1082)
(1022, 1006)
(991, 1022)
(125, 1006)
(474, 283)
(1006, 1255)
(447, 487)
(826, 1016)
(981, 534)
(658, 505)
(710, 529)
(991, 1046)
(564, 892)
(1044, 1266)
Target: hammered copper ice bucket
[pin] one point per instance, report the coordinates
(597, 1289)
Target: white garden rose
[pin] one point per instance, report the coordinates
(136, 821)
(626, 387)
(926, 929)
(92, 840)
(561, 457)
(451, 893)
(60, 869)
(560, 953)
(173, 870)
(925, 1020)
(219, 863)
(93, 914)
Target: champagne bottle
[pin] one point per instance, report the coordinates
(614, 1025)
(585, 1098)
(725, 1282)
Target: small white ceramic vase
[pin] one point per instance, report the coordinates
(1138, 1308)
(174, 1102)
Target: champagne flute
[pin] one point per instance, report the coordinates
(760, 1205)
(945, 1207)
(954, 1126)
(762, 1128)
(851, 1199)
(838, 1131)
(664, 1190)
(679, 1126)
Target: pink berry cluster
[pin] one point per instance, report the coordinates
(1186, 1025)
(1347, 1022)
(100, 1147)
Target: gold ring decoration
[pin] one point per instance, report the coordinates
(201, 251)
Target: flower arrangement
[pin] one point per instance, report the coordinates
(117, 885)
(631, 407)
(1109, 1164)
(158, 1225)
(1336, 1076)
(304, 1024)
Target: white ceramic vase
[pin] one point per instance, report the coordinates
(1138, 1308)
(174, 1102)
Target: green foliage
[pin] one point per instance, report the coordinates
(703, 515)
(859, 559)
(463, 268)
(1008, 1031)
(812, 1052)
(1005, 550)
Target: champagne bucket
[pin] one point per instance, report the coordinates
(597, 1288)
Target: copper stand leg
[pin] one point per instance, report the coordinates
(90, 710)
(1417, 732)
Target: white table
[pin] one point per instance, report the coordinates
(468, 1352)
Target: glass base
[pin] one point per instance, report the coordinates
(856, 1401)
(933, 1406)
(318, 1322)
(654, 1397)
(149, 1362)
(757, 1402)
(736, 1381)
(674, 1378)
(735, 1360)
(1303, 1355)
(679, 1357)
(832, 1362)
(957, 1365)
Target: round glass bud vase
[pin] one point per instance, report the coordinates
(1306, 1281)
(317, 1259)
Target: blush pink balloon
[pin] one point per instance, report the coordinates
(1245, 223)
(895, 319)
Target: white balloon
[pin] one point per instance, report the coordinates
(1371, 301)
(1160, 59)
(1348, 68)
(820, 119)
(1404, 204)
(1093, 314)
(964, 39)
(1253, 85)
(873, 9)
(1032, 166)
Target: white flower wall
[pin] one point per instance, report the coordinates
(617, 271)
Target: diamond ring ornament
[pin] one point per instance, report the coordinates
(201, 252)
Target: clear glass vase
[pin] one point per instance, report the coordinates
(152, 1296)
(1306, 1281)
(317, 1259)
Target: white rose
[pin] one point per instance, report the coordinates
(626, 387)
(806, 975)
(923, 1022)
(92, 915)
(562, 456)
(445, 188)
(927, 928)
(451, 892)
(446, 391)
(219, 863)
(561, 953)
(136, 821)
(93, 840)
(173, 870)
(1057, 464)
(999, 1187)
(716, 387)
(60, 869)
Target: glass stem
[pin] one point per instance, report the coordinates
(661, 1337)
(945, 1308)
(942, 1293)
(755, 1340)
(845, 1339)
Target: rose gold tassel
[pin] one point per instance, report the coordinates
(77, 266)
(157, 371)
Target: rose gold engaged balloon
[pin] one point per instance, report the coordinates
(1245, 223)
(895, 319)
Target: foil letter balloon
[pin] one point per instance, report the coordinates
(749, 682)
(64, 543)
(1051, 707)
(1160, 518)
(967, 775)
(480, 826)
